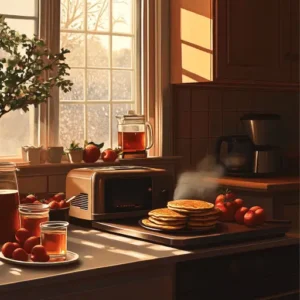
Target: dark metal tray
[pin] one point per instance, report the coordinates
(224, 233)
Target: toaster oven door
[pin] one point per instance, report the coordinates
(127, 194)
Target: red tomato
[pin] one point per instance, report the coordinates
(30, 243)
(220, 199)
(36, 202)
(254, 208)
(227, 211)
(229, 196)
(38, 250)
(53, 205)
(249, 218)
(59, 196)
(238, 202)
(109, 155)
(63, 204)
(240, 213)
(260, 216)
(22, 235)
(31, 198)
(20, 254)
(40, 258)
(8, 249)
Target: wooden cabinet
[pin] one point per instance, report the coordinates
(252, 40)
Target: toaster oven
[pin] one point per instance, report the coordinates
(117, 192)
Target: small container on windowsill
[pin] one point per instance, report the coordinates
(31, 154)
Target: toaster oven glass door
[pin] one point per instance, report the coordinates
(128, 194)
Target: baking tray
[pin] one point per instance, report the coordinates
(224, 233)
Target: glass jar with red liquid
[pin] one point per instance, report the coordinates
(9, 202)
(32, 215)
(134, 133)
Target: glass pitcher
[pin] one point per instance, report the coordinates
(9, 202)
(134, 133)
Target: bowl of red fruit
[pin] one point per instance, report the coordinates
(59, 207)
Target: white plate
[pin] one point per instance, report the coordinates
(71, 258)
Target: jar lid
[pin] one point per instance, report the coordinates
(131, 116)
(31, 208)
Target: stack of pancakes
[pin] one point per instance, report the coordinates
(201, 214)
(165, 219)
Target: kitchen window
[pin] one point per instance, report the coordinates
(113, 63)
(103, 37)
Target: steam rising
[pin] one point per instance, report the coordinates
(199, 184)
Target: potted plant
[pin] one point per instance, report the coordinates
(75, 153)
(29, 71)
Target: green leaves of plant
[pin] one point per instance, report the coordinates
(23, 79)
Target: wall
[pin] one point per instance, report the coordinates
(204, 112)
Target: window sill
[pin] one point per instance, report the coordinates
(26, 169)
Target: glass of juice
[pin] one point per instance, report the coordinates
(54, 239)
(32, 215)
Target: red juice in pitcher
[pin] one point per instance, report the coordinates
(9, 215)
(132, 141)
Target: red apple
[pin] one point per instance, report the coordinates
(240, 213)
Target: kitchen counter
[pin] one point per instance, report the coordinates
(105, 259)
(271, 185)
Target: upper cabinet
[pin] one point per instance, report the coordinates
(235, 40)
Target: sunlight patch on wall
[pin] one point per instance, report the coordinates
(196, 29)
(196, 61)
(187, 79)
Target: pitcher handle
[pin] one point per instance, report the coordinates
(149, 128)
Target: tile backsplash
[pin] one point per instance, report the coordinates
(202, 114)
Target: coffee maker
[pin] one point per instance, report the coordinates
(257, 153)
(264, 131)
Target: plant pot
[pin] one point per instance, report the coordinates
(31, 154)
(55, 154)
(75, 156)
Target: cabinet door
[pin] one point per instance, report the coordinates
(252, 40)
(295, 39)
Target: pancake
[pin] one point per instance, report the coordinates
(172, 223)
(167, 214)
(148, 223)
(190, 205)
(203, 219)
(209, 213)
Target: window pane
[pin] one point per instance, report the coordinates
(121, 52)
(121, 85)
(98, 15)
(122, 16)
(98, 120)
(18, 7)
(16, 130)
(71, 124)
(77, 92)
(97, 49)
(22, 26)
(72, 14)
(118, 109)
(97, 84)
(75, 43)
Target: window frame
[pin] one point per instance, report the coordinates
(155, 85)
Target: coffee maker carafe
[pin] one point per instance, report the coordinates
(264, 130)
